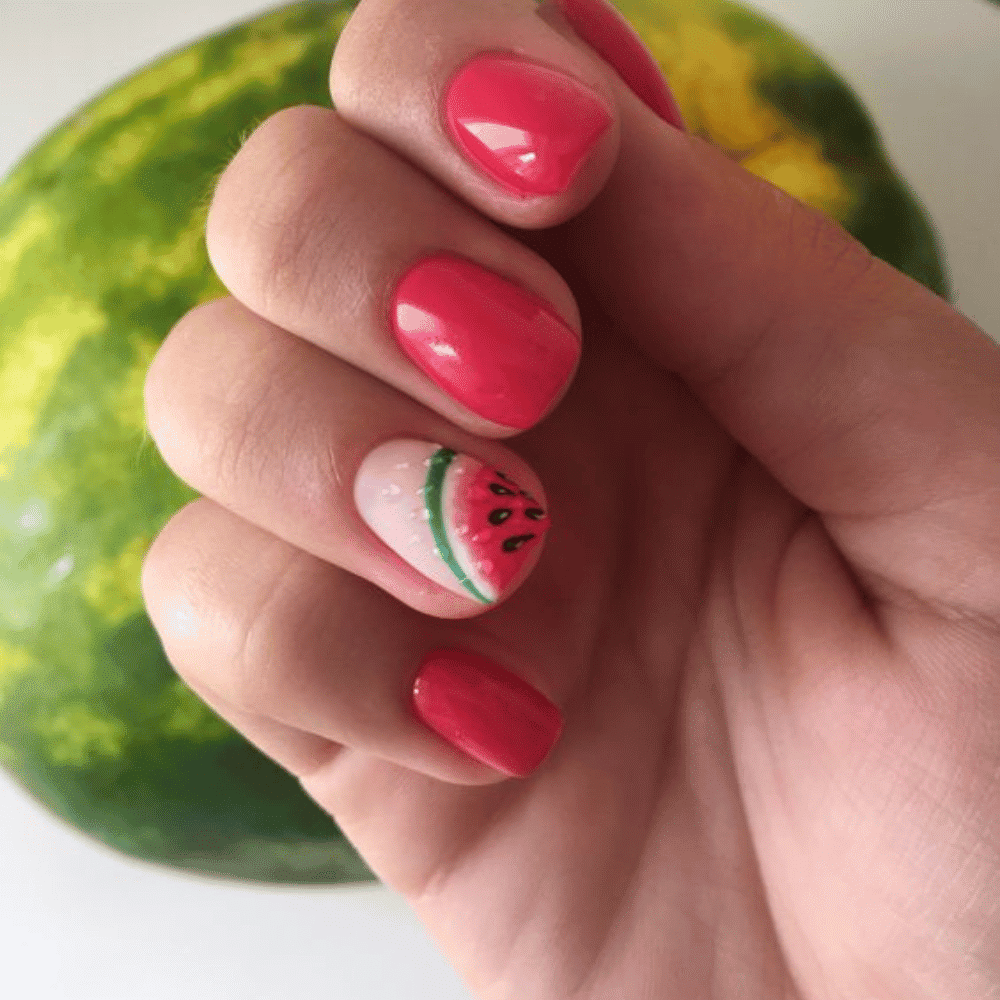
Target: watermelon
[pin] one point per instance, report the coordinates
(102, 251)
(484, 524)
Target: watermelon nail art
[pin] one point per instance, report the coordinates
(464, 524)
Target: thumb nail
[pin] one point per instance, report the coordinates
(604, 29)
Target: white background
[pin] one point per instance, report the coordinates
(77, 920)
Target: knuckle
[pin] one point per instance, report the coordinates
(176, 393)
(174, 587)
(171, 359)
(262, 233)
(367, 42)
(154, 574)
(260, 642)
(222, 636)
(220, 431)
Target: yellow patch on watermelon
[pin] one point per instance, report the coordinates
(713, 78)
(796, 165)
(156, 268)
(111, 586)
(35, 222)
(114, 161)
(14, 661)
(34, 361)
(76, 735)
(718, 76)
(256, 61)
(126, 402)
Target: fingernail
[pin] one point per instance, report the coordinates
(486, 711)
(463, 524)
(604, 29)
(498, 349)
(527, 126)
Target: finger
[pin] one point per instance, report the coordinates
(341, 465)
(305, 659)
(327, 234)
(499, 107)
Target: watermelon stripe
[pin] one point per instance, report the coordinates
(433, 489)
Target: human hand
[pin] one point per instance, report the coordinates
(767, 608)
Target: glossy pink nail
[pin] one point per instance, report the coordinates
(528, 126)
(603, 28)
(486, 711)
(498, 349)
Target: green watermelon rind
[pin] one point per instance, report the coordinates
(434, 502)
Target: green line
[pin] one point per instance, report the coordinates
(433, 501)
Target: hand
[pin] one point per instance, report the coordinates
(768, 607)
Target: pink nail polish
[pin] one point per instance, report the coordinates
(466, 525)
(604, 29)
(486, 711)
(527, 126)
(497, 348)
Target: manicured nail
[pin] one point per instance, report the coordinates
(603, 28)
(486, 711)
(463, 524)
(529, 127)
(497, 348)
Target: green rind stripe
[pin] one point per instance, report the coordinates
(433, 501)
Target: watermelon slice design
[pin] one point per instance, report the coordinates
(484, 525)
(465, 525)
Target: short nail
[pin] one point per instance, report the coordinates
(463, 524)
(605, 30)
(486, 711)
(500, 350)
(528, 126)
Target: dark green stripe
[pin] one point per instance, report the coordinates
(433, 497)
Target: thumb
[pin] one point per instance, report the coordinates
(863, 393)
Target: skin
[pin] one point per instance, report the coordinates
(768, 606)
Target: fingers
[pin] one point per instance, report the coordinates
(865, 395)
(341, 465)
(302, 657)
(331, 445)
(489, 99)
(325, 233)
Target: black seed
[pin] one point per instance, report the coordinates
(535, 513)
(513, 543)
(501, 491)
(499, 515)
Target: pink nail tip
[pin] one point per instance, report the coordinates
(604, 28)
(498, 349)
(529, 127)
